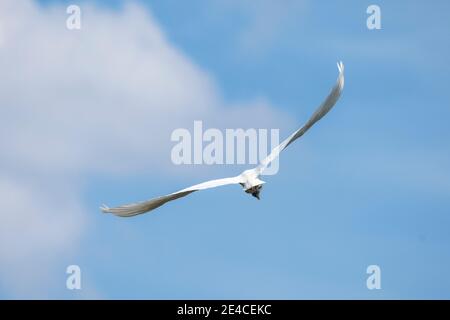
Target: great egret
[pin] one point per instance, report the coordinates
(249, 179)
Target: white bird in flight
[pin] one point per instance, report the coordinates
(249, 179)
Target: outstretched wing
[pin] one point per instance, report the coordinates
(133, 209)
(321, 111)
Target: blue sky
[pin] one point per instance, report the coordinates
(88, 116)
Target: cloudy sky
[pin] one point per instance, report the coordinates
(86, 117)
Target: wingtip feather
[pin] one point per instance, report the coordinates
(340, 66)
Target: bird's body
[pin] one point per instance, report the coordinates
(249, 179)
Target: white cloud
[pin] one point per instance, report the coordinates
(38, 223)
(102, 99)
